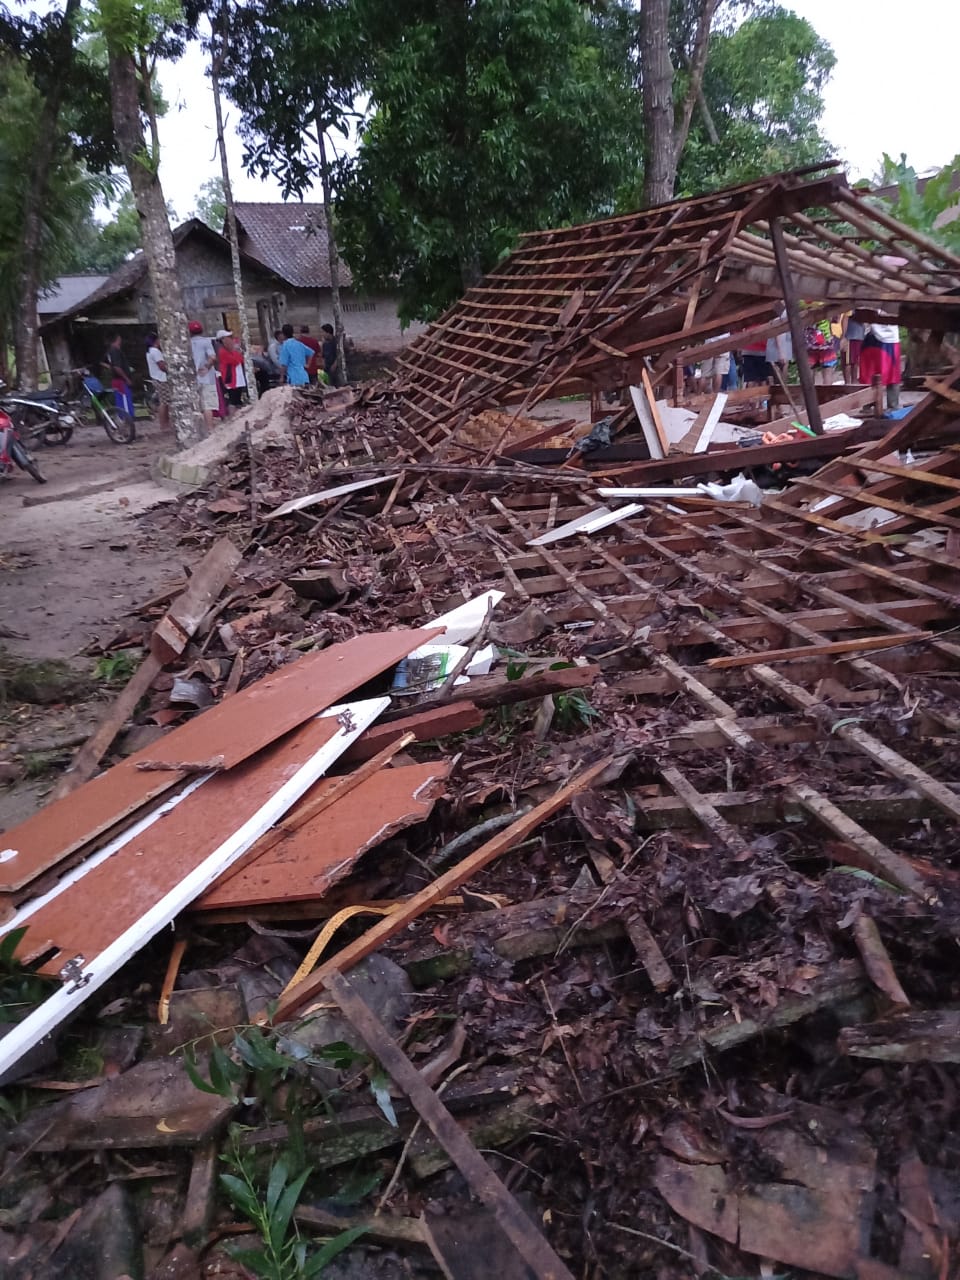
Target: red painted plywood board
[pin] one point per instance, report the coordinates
(309, 861)
(233, 729)
(99, 907)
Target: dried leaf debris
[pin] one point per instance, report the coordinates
(670, 940)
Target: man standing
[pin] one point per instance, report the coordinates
(313, 365)
(273, 348)
(121, 378)
(205, 360)
(231, 370)
(294, 356)
(157, 369)
(330, 361)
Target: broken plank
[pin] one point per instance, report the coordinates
(326, 495)
(237, 728)
(928, 1036)
(483, 1182)
(709, 424)
(843, 983)
(188, 857)
(438, 722)
(497, 691)
(300, 860)
(169, 639)
(293, 1001)
(821, 650)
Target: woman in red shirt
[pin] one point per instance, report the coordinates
(230, 363)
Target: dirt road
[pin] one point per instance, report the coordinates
(72, 563)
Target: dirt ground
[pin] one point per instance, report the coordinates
(72, 563)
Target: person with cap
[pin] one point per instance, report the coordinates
(205, 361)
(157, 369)
(232, 375)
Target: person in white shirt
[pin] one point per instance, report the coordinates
(880, 357)
(157, 369)
(205, 362)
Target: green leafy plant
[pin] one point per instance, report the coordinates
(115, 667)
(574, 710)
(282, 1254)
(21, 990)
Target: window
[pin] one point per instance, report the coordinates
(359, 305)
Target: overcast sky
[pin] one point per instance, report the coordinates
(893, 89)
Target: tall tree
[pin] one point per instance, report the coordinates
(71, 193)
(668, 100)
(101, 247)
(136, 35)
(210, 204)
(489, 118)
(295, 70)
(929, 205)
(762, 101)
(67, 125)
(219, 34)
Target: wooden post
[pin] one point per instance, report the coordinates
(678, 387)
(792, 304)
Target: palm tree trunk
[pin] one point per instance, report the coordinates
(142, 169)
(27, 330)
(333, 255)
(216, 57)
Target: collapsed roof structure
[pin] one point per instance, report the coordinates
(698, 968)
(587, 305)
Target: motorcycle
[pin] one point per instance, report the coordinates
(41, 416)
(13, 452)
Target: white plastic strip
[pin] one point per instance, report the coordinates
(665, 491)
(647, 424)
(28, 1033)
(621, 513)
(713, 417)
(572, 526)
(463, 623)
(340, 491)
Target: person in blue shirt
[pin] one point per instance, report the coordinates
(294, 356)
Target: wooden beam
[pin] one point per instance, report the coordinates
(792, 303)
(293, 1001)
(533, 1248)
(819, 650)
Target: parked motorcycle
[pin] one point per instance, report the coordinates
(41, 417)
(12, 451)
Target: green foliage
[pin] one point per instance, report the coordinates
(20, 989)
(763, 85)
(102, 246)
(924, 207)
(114, 668)
(211, 204)
(488, 119)
(70, 197)
(282, 1253)
(574, 710)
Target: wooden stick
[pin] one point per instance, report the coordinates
(792, 303)
(169, 639)
(451, 880)
(819, 650)
(483, 1182)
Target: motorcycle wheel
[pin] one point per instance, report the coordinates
(23, 460)
(57, 433)
(119, 428)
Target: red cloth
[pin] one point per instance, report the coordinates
(856, 345)
(229, 361)
(313, 364)
(883, 360)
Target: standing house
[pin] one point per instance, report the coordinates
(286, 279)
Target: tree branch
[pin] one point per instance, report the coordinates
(697, 64)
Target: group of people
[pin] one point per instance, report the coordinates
(303, 359)
(221, 374)
(858, 348)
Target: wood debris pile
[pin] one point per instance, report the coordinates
(670, 894)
